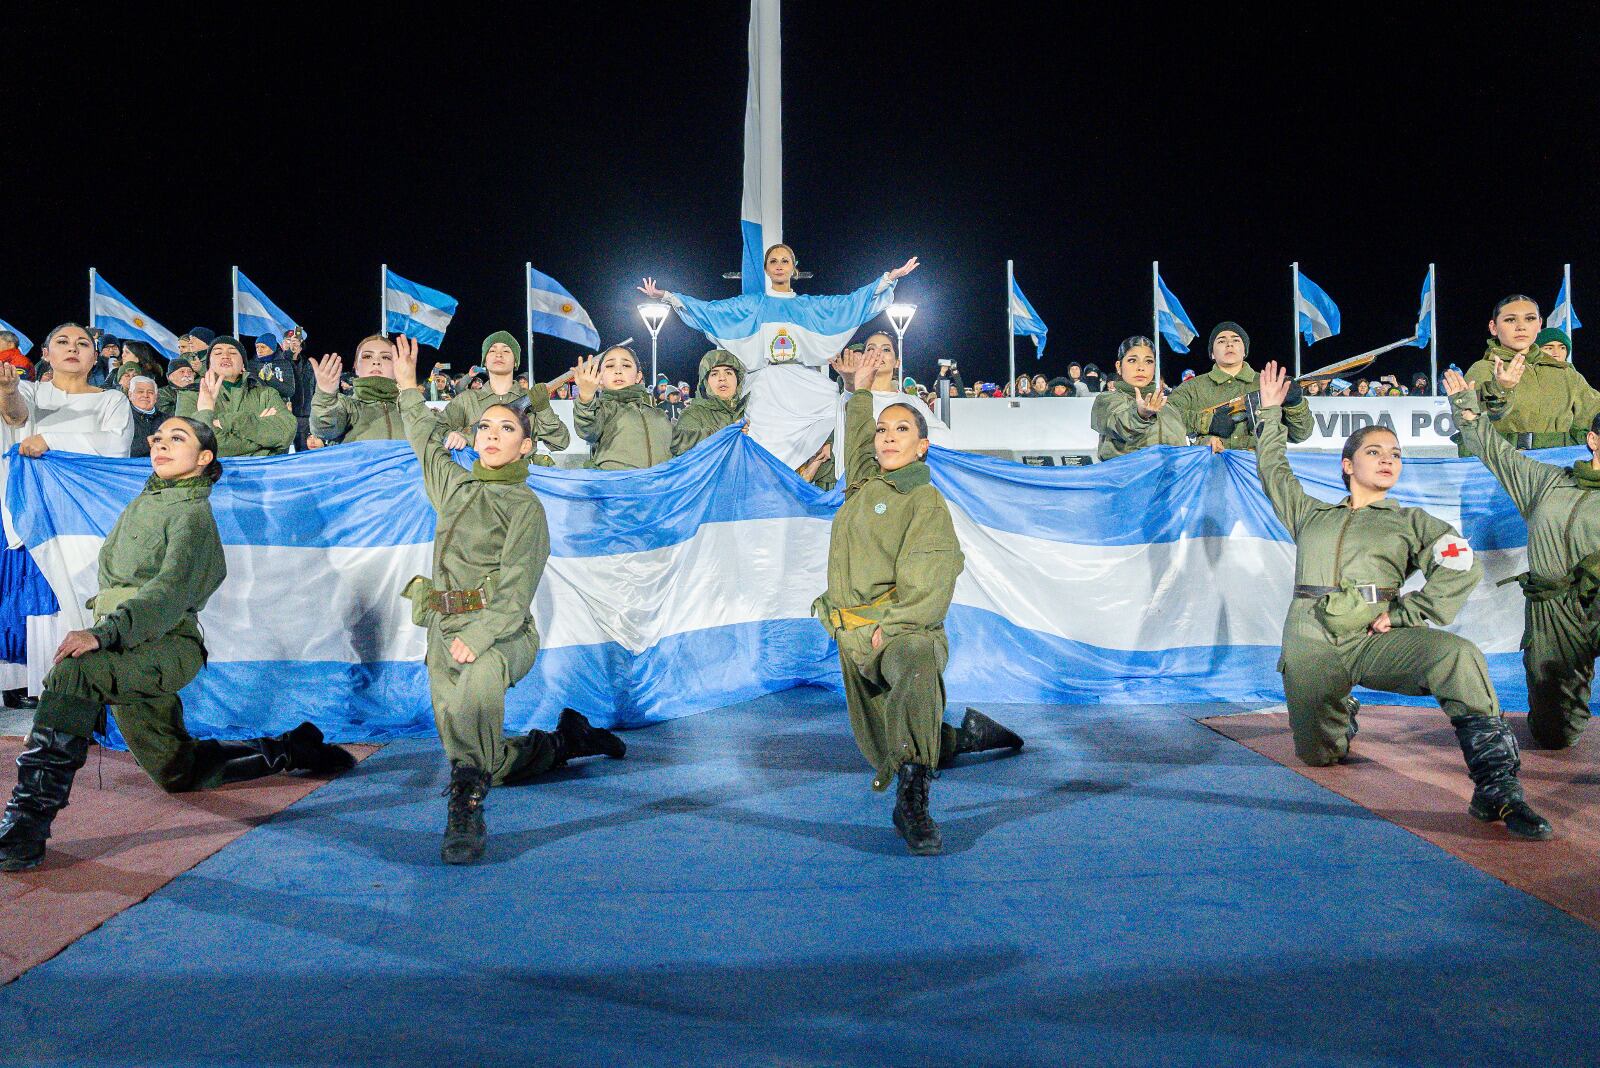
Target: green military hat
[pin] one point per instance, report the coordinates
(1549, 334)
(501, 337)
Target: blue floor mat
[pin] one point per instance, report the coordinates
(1131, 889)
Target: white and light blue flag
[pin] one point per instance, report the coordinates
(1025, 322)
(1319, 315)
(257, 314)
(415, 310)
(1425, 313)
(1160, 576)
(116, 315)
(23, 344)
(1173, 322)
(761, 208)
(554, 311)
(1563, 316)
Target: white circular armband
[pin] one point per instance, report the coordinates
(1453, 551)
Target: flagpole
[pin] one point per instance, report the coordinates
(527, 305)
(1566, 287)
(1433, 331)
(1295, 310)
(1011, 326)
(91, 303)
(1155, 314)
(236, 301)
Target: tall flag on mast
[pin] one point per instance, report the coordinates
(1424, 330)
(1176, 327)
(1025, 322)
(1562, 316)
(415, 310)
(116, 315)
(761, 214)
(253, 313)
(554, 311)
(1319, 315)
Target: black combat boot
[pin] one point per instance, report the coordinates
(977, 734)
(911, 817)
(302, 749)
(465, 833)
(18, 698)
(575, 737)
(45, 768)
(1493, 762)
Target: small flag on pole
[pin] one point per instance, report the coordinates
(1562, 316)
(1319, 315)
(1176, 327)
(1425, 313)
(1025, 322)
(554, 311)
(415, 310)
(116, 315)
(257, 315)
(23, 344)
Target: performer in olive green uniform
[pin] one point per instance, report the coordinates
(502, 354)
(372, 411)
(615, 415)
(1349, 626)
(717, 404)
(1229, 379)
(893, 559)
(159, 565)
(488, 556)
(1134, 413)
(1548, 404)
(1561, 636)
(249, 418)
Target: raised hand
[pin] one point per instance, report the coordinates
(587, 377)
(9, 377)
(866, 370)
(1509, 374)
(1274, 385)
(405, 362)
(651, 290)
(1455, 382)
(328, 371)
(455, 440)
(210, 390)
(1149, 406)
(904, 269)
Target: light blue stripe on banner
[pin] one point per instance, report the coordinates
(752, 266)
(613, 687)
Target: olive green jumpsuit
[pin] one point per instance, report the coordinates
(1560, 638)
(707, 413)
(625, 431)
(465, 409)
(1327, 648)
(492, 537)
(1216, 386)
(1123, 430)
(370, 413)
(893, 559)
(1551, 401)
(245, 429)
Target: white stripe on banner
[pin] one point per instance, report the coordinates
(541, 300)
(115, 309)
(250, 307)
(411, 308)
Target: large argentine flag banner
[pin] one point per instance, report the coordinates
(761, 210)
(116, 315)
(1157, 577)
(414, 310)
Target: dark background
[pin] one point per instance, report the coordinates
(604, 141)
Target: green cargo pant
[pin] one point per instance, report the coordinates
(1559, 646)
(142, 684)
(896, 700)
(469, 708)
(1318, 674)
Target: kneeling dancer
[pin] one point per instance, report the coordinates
(489, 551)
(159, 565)
(1348, 625)
(893, 558)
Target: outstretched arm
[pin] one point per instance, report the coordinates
(1524, 479)
(1278, 479)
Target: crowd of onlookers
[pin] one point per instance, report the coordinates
(1086, 380)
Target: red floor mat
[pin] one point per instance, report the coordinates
(115, 845)
(1407, 768)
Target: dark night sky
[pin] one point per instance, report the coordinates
(604, 141)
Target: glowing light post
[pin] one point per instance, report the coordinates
(900, 318)
(654, 313)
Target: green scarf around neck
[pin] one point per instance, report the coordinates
(375, 390)
(515, 471)
(634, 394)
(1588, 478)
(1124, 386)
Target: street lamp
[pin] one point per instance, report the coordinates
(654, 314)
(900, 318)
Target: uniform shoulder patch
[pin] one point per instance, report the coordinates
(1454, 552)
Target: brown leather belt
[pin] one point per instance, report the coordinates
(456, 602)
(1370, 592)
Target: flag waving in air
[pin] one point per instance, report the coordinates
(415, 310)
(116, 315)
(1319, 315)
(1176, 327)
(254, 313)
(1562, 316)
(1424, 330)
(554, 311)
(1025, 322)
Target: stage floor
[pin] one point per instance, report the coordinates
(1133, 888)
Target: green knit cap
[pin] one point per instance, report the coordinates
(502, 337)
(1549, 334)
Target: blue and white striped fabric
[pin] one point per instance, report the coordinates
(1176, 327)
(1162, 576)
(1563, 316)
(24, 346)
(116, 315)
(415, 310)
(1025, 322)
(1319, 315)
(1425, 313)
(761, 207)
(256, 313)
(554, 311)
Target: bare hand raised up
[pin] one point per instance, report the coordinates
(1507, 375)
(587, 377)
(1149, 406)
(1274, 385)
(867, 370)
(651, 290)
(328, 371)
(210, 390)
(904, 269)
(405, 362)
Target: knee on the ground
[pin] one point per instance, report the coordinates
(1317, 755)
(1554, 732)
